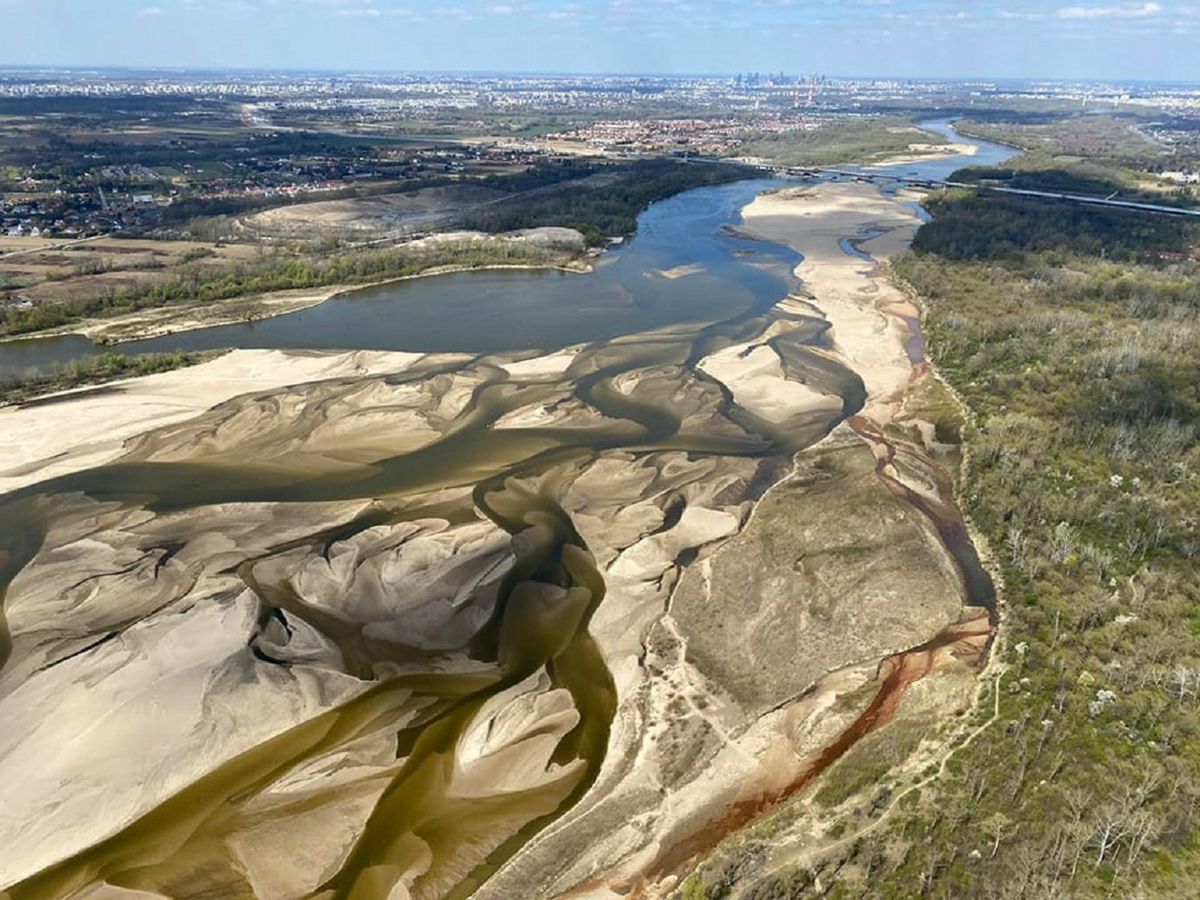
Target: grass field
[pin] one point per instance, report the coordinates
(859, 140)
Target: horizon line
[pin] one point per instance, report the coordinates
(534, 73)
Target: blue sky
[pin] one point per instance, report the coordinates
(1143, 39)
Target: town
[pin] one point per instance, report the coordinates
(182, 144)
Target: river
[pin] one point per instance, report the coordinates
(645, 408)
(496, 310)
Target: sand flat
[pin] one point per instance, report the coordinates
(402, 565)
(90, 426)
(843, 287)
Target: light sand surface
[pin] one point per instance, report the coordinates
(683, 271)
(926, 152)
(753, 372)
(88, 427)
(849, 293)
(426, 582)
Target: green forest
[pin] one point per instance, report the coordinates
(978, 226)
(602, 210)
(1077, 346)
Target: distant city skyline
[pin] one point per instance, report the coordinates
(1106, 40)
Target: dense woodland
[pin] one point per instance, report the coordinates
(970, 226)
(1078, 348)
(601, 210)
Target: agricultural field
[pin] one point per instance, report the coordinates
(36, 271)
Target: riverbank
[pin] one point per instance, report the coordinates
(1039, 484)
(844, 555)
(930, 152)
(326, 437)
(166, 321)
(923, 687)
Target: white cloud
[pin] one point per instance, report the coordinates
(1026, 15)
(150, 11)
(1138, 11)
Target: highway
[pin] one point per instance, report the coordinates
(1091, 201)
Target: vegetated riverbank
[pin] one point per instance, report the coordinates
(169, 320)
(867, 140)
(522, 308)
(869, 717)
(160, 322)
(590, 203)
(1078, 355)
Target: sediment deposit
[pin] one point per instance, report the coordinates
(425, 625)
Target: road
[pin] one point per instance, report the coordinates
(47, 247)
(867, 175)
(1090, 201)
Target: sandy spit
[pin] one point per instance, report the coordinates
(868, 313)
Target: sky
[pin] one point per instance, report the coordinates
(1108, 39)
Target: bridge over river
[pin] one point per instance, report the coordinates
(935, 184)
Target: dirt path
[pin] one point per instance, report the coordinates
(49, 247)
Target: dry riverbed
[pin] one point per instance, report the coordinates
(406, 625)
